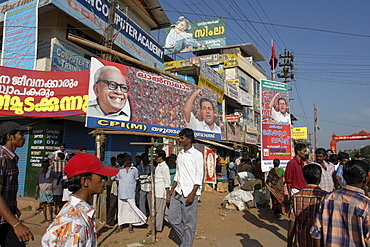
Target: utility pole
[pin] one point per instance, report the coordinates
(108, 42)
(288, 64)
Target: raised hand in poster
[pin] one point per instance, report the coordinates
(110, 88)
(204, 119)
(178, 40)
(280, 112)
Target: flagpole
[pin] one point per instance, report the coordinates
(273, 64)
(315, 127)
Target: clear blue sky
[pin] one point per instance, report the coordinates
(332, 66)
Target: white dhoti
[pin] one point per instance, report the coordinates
(128, 213)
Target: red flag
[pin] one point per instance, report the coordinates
(316, 122)
(273, 61)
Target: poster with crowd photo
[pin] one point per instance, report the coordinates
(125, 98)
(33, 93)
(186, 36)
(276, 126)
(210, 165)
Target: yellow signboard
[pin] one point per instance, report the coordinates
(229, 60)
(179, 64)
(204, 82)
(300, 133)
(235, 82)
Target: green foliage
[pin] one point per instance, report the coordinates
(28, 208)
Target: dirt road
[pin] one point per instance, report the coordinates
(216, 227)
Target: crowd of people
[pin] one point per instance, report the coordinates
(328, 202)
(325, 197)
(129, 198)
(328, 199)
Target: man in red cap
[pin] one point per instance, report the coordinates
(12, 232)
(75, 223)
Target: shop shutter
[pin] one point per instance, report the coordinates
(22, 164)
(117, 144)
(76, 136)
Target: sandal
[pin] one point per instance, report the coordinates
(118, 230)
(43, 221)
(149, 234)
(131, 230)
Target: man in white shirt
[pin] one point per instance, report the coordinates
(62, 149)
(207, 113)
(186, 189)
(280, 116)
(162, 181)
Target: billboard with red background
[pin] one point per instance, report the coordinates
(32, 93)
(276, 126)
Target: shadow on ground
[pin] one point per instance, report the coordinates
(247, 241)
(271, 227)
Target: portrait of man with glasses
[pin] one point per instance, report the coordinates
(111, 90)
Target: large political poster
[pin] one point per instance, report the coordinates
(125, 98)
(276, 125)
(32, 93)
(20, 37)
(186, 36)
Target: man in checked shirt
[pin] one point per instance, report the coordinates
(304, 206)
(12, 232)
(343, 218)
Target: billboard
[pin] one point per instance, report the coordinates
(66, 60)
(20, 37)
(300, 133)
(232, 118)
(245, 98)
(210, 74)
(130, 37)
(33, 93)
(125, 98)
(202, 82)
(186, 36)
(210, 165)
(276, 125)
(6, 5)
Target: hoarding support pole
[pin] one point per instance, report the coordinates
(108, 42)
(153, 204)
(153, 211)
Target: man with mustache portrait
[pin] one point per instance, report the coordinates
(207, 114)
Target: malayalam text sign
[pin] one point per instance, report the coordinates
(186, 36)
(232, 118)
(33, 93)
(210, 165)
(276, 141)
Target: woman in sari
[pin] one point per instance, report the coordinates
(275, 184)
